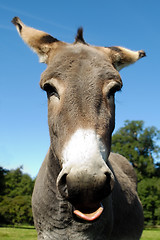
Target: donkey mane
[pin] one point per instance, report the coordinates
(79, 37)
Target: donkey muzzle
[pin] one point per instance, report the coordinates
(85, 189)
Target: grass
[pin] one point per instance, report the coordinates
(29, 233)
(151, 234)
(25, 233)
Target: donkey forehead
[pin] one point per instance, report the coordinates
(82, 61)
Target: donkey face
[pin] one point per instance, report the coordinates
(80, 82)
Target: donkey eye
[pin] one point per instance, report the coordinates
(51, 90)
(113, 90)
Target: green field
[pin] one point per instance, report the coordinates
(7, 233)
(151, 234)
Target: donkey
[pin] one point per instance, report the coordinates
(82, 191)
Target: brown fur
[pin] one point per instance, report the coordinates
(80, 81)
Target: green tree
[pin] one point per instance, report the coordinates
(17, 183)
(16, 210)
(15, 196)
(139, 146)
(2, 181)
(149, 193)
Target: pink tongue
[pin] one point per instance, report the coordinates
(89, 216)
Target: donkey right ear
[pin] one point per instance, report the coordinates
(122, 57)
(39, 41)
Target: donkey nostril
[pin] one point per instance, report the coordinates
(62, 186)
(109, 181)
(108, 175)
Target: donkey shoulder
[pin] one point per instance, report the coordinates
(127, 208)
(123, 170)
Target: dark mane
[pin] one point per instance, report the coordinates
(79, 37)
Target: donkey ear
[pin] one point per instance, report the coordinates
(39, 41)
(122, 57)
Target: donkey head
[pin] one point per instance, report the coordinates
(80, 81)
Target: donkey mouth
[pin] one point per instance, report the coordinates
(89, 214)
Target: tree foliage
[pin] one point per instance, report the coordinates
(15, 197)
(139, 146)
(149, 192)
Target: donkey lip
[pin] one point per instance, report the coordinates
(89, 215)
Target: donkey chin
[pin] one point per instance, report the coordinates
(85, 179)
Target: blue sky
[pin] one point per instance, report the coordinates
(24, 137)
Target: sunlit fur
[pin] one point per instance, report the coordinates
(79, 172)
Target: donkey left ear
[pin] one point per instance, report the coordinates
(122, 57)
(39, 41)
